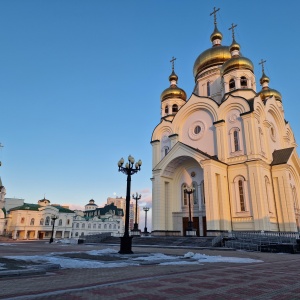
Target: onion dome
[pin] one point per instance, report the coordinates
(211, 57)
(234, 47)
(173, 91)
(264, 78)
(237, 63)
(216, 35)
(266, 92)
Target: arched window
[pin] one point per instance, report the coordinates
(99, 226)
(184, 195)
(115, 226)
(77, 225)
(42, 221)
(208, 88)
(244, 83)
(22, 220)
(166, 109)
(76, 234)
(109, 226)
(174, 108)
(83, 225)
(68, 222)
(195, 193)
(94, 226)
(47, 222)
(236, 140)
(60, 222)
(89, 225)
(242, 195)
(202, 192)
(105, 226)
(231, 84)
(32, 221)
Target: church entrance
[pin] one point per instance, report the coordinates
(185, 221)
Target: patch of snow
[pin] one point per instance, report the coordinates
(180, 263)
(67, 241)
(1, 267)
(213, 259)
(155, 256)
(102, 251)
(7, 244)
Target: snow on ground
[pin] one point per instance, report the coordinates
(162, 259)
(6, 244)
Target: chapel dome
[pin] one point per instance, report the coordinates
(216, 35)
(211, 57)
(264, 94)
(239, 62)
(173, 91)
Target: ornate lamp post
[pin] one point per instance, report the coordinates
(129, 169)
(190, 231)
(145, 210)
(53, 218)
(136, 198)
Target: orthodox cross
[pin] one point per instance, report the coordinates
(232, 28)
(262, 64)
(172, 61)
(215, 15)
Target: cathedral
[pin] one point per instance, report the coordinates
(230, 144)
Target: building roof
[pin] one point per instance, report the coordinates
(29, 206)
(281, 156)
(104, 210)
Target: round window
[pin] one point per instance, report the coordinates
(197, 129)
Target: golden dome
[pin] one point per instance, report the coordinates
(173, 76)
(234, 46)
(264, 78)
(237, 63)
(211, 57)
(216, 34)
(173, 92)
(266, 93)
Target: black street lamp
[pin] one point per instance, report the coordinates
(136, 198)
(53, 218)
(190, 231)
(145, 210)
(126, 240)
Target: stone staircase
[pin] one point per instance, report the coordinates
(166, 241)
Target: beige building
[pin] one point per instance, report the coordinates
(121, 203)
(34, 221)
(231, 142)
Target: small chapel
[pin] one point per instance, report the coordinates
(231, 144)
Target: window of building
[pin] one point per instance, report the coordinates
(68, 222)
(184, 195)
(115, 226)
(77, 225)
(202, 192)
(60, 222)
(22, 220)
(83, 225)
(89, 225)
(47, 222)
(236, 140)
(167, 109)
(231, 84)
(32, 221)
(244, 83)
(94, 226)
(197, 129)
(42, 221)
(99, 226)
(175, 108)
(195, 193)
(76, 233)
(208, 88)
(105, 226)
(242, 196)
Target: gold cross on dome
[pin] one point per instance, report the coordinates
(232, 28)
(172, 61)
(262, 62)
(215, 14)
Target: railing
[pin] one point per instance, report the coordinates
(217, 241)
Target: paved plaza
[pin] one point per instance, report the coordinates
(276, 277)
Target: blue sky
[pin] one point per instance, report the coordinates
(80, 84)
